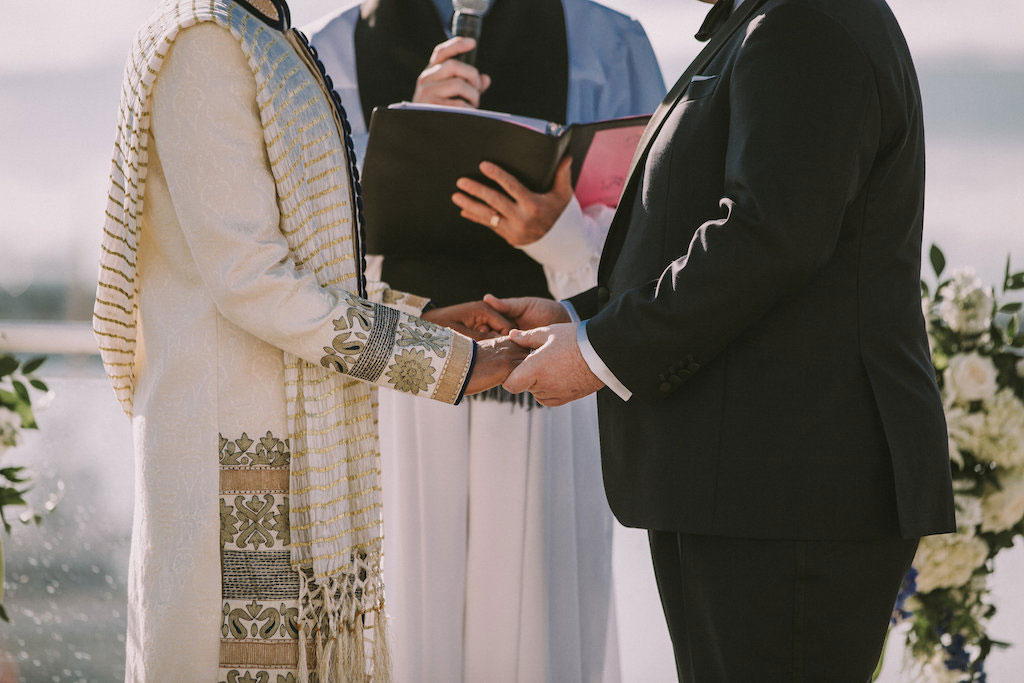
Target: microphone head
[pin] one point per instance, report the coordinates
(477, 7)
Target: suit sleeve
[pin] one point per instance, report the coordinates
(210, 144)
(801, 95)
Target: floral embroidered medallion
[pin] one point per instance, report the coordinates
(411, 372)
(427, 335)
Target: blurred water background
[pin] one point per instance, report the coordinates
(60, 71)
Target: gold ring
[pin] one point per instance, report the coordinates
(495, 219)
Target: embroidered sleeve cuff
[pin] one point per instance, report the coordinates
(451, 385)
(564, 247)
(469, 373)
(597, 365)
(382, 345)
(410, 304)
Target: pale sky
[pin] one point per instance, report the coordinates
(41, 35)
(60, 64)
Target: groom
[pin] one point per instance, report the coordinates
(768, 408)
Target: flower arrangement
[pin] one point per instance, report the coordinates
(978, 353)
(16, 415)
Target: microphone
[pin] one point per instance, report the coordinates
(467, 23)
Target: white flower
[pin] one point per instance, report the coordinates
(948, 561)
(934, 670)
(966, 305)
(1003, 509)
(965, 429)
(43, 402)
(971, 377)
(8, 416)
(1002, 441)
(968, 513)
(954, 454)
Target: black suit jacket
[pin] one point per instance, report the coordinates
(759, 294)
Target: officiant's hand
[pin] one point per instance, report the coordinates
(474, 319)
(520, 217)
(449, 81)
(529, 312)
(555, 372)
(495, 359)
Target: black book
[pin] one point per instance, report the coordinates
(416, 153)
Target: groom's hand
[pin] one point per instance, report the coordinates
(529, 312)
(495, 359)
(474, 319)
(555, 373)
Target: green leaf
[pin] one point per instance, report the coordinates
(938, 260)
(924, 289)
(39, 384)
(28, 420)
(33, 365)
(1011, 307)
(8, 400)
(22, 391)
(11, 496)
(3, 614)
(8, 364)
(12, 474)
(1015, 281)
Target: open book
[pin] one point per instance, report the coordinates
(417, 152)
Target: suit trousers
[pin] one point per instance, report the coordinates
(771, 610)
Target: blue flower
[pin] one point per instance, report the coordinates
(907, 589)
(957, 657)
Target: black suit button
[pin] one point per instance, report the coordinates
(603, 294)
(665, 388)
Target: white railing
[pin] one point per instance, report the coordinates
(50, 338)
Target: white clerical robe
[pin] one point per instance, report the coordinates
(497, 533)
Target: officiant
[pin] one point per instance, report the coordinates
(498, 536)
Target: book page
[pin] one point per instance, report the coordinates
(603, 174)
(539, 125)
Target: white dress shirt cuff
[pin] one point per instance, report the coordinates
(595, 363)
(571, 310)
(564, 247)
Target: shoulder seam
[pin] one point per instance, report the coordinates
(830, 20)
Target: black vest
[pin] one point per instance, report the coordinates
(524, 49)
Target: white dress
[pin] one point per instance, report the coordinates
(497, 531)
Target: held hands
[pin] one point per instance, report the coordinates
(475, 319)
(555, 371)
(528, 312)
(521, 217)
(495, 360)
(449, 81)
(545, 360)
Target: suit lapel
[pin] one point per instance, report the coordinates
(625, 207)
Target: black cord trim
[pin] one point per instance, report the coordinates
(284, 15)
